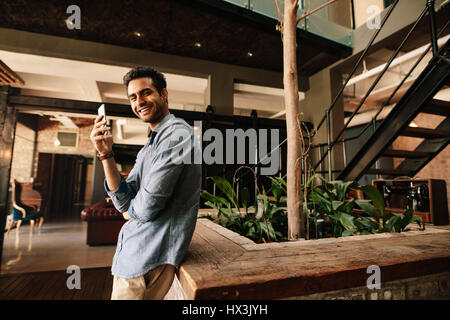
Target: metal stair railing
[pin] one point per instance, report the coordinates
(326, 118)
(330, 144)
(384, 104)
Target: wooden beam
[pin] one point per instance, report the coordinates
(6, 72)
(23, 102)
(216, 267)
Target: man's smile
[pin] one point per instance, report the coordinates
(144, 110)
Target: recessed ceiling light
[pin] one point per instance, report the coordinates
(138, 34)
(198, 44)
(412, 124)
(250, 54)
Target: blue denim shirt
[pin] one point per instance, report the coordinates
(161, 194)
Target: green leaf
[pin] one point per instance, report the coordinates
(211, 205)
(386, 218)
(407, 218)
(394, 222)
(348, 207)
(375, 195)
(367, 223)
(283, 201)
(282, 183)
(226, 188)
(279, 187)
(341, 188)
(347, 221)
(368, 208)
(322, 201)
(215, 199)
(337, 204)
(349, 232)
(419, 221)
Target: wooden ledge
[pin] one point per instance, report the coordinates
(224, 265)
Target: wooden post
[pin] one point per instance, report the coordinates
(7, 127)
(296, 227)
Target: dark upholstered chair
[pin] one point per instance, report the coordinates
(104, 223)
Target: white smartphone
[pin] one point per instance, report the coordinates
(102, 111)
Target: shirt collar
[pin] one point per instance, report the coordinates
(160, 126)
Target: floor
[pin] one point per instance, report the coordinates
(55, 247)
(95, 284)
(35, 262)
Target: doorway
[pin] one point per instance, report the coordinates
(62, 180)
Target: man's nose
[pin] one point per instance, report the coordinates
(140, 102)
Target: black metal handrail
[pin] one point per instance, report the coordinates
(350, 75)
(384, 104)
(330, 144)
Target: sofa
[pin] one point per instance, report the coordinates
(103, 223)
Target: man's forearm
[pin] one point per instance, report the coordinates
(112, 175)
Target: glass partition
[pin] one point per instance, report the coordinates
(333, 22)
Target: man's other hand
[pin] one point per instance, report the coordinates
(126, 216)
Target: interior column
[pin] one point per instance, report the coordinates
(219, 93)
(7, 127)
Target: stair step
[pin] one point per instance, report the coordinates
(425, 133)
(406, 154)
(438, 107)
(389, 172)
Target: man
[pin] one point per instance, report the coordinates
(160, 196)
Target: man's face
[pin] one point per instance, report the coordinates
(145, 100)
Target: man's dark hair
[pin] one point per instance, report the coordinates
(158, 79)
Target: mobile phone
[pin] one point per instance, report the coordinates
(102, 111)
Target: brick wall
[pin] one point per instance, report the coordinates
(23, 153)
(435, 286)
(47, 134)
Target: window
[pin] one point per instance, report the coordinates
(67, 139)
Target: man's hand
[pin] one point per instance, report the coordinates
(102, 142)
(126, 216)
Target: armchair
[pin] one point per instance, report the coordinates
(22, 212)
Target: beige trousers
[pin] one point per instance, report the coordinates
(152, 286)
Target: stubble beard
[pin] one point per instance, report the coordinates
(155, 116)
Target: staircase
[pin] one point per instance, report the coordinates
(418, 99)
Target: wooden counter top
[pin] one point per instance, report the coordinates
(223, 265)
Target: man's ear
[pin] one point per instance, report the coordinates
(165, 94)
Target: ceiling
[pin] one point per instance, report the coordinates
(87, 81)
(211, 30)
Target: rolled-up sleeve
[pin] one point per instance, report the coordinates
(122, 196)
(172, 154)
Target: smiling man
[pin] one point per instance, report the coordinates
(159, 198)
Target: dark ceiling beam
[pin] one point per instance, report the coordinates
(23, 102)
